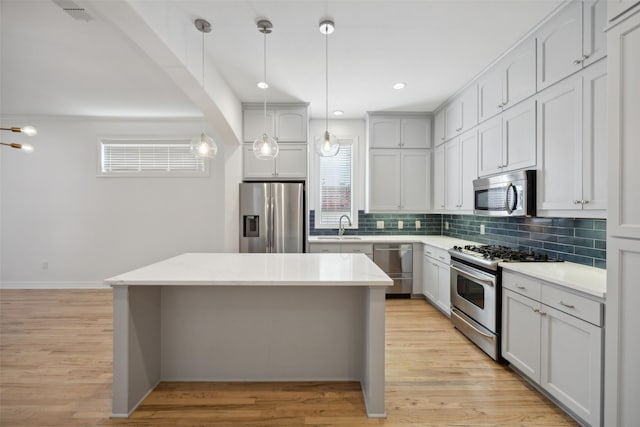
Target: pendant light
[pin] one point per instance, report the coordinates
(27, 130)
(328, 145)
(265, 147)
(203, 145)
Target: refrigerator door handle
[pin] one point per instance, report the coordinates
(272, 222)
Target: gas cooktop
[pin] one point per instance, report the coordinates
(490, 255)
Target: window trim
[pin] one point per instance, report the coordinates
(353, 140)
(141, 140)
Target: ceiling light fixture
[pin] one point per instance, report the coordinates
(27, 130)
(265, 147)
(399, 85)
(338, 112)
(203, 145)
(328, 145)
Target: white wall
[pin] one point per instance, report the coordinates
(340, 128)
(54, 209)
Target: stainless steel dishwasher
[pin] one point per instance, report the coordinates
(396, 259)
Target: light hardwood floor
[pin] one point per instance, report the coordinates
(55, 370)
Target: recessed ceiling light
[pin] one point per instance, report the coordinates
(338, 113)
(263, 85)
(399, 85)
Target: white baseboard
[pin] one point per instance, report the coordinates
(53, 285)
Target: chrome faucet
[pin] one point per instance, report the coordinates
(340, 227)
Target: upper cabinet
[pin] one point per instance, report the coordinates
(438, 127)
(510, 81)
(461, 114)
(408, 131)
(289, 164)
(615, 8)
(570, 40)
(460, 169)
(286, 123)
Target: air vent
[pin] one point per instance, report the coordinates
(74, 10)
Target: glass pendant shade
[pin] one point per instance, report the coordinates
(203, 146)
(328, 145)
(265, 147)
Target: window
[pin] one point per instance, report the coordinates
(336, 184)
(128, 157)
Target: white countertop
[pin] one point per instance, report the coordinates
(232, 269)
(443, 242)
(589, 280)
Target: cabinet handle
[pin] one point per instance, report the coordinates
(543, 313)
(562, 303)
(584, 202)
(441, 257)
(577, 202)
(535, 310)
(524, 288)
(442, 206)
(578, 61)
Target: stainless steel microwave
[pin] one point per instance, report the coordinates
(512, 194)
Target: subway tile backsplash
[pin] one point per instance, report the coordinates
(583, 241)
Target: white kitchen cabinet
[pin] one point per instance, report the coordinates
(389, 131)
(559, 46)
(289, 164)
(622, 350)
(560, 348)
(572, 145)
(508, 142)
(461, 114)
(510, 81)
(399, 180)
(461, 168)
(436, 278)
(439, 178)
(616, 8)
(439, 127)
(343, 248)
(594, 21)
(286, 123)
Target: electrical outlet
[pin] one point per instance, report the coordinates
(418, 225)
(379, 224)
(481, 228)
(446, 225)
(400, 225)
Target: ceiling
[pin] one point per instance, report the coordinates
(53, 64)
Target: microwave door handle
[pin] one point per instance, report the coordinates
(508, 206)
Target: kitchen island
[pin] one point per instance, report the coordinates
(249, 317)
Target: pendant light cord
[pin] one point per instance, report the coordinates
(264, 94)
(326, 62)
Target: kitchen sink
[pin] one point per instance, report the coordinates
(339, 238)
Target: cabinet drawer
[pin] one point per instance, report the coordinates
(324, 248)
(357, 248)
(437, 254)
(521, 284)
(572, 304)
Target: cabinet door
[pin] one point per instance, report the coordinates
(452, 118)
(438, 128)
(560, 146)
(415, 191)
(415, 133)
(490, 147)
(384, 132)
(594, 137)
(521, 333)
(253, 124)
(468, 168)
(519, 136)
(623, 63)
(520, 74)
(444, 288)
(384, 180)
(291, 125)
(490, 93)
(438, 178)
(594, 41)
(452, 175)
(615, 8)
(430, 279)
(469, 100)
(571, 363)
(255, 168)
(559, 44)
(291, 162)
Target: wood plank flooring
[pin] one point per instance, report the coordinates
(55, 370)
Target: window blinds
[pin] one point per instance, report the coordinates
(336, 185)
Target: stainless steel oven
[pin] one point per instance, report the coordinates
(474, 301)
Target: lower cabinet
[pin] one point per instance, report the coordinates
(558, 349)
(344, 248)
(436, 278)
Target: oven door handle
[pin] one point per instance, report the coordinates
(472, 277)
(484, 334)
(510, 208)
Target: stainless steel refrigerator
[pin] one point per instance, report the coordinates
(271, 217)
